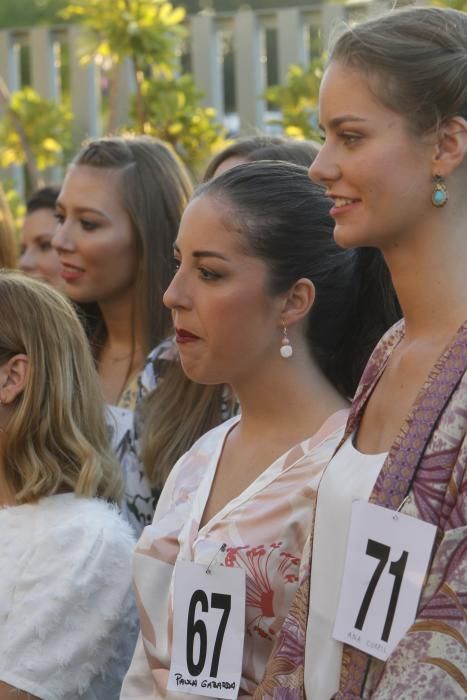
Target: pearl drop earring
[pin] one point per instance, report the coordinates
(286, 350)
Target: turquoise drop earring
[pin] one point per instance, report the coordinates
(439, 196)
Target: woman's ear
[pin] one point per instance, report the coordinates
(13, 378)
(451, 146)
(298, 302)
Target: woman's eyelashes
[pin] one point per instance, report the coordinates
(350, 138)
(204, 273)
(208, 275)
(88, 225)
(85, 224)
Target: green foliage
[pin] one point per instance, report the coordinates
(46, 125)
(29, 13)
(15, 203)
(297, 100)
(174, 114)
(145, 30)
(150, 34)
(453, 4)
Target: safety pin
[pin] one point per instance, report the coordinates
(395, 516)
(222, 548)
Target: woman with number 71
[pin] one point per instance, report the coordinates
(393, 106)
(264, 300)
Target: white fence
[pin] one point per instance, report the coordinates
(244, 32)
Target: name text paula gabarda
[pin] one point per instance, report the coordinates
(205, 683)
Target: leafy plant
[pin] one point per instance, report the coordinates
(34, 131)
(148, 32)
(167, 103)
(174, 114)
(297, 100)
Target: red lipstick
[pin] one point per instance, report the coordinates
(183, 336)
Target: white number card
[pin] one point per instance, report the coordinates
(208, 630)
(388, 554)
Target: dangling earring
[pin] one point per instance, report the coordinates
(439, 196)
(286, 348)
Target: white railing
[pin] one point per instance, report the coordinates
(245, 31)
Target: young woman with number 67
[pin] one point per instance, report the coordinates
(263, 300)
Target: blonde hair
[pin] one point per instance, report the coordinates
(7, 234)
(57, 439)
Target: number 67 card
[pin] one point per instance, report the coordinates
(208, 630)
(388, 554)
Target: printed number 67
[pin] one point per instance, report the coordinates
(218, 600)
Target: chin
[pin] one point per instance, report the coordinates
(348, 238)
(196, 374)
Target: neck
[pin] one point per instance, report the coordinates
(123, 326)
(286, 396)
(429, 275)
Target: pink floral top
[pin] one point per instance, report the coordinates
(265, 530)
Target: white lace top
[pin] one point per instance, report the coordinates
(67, 617)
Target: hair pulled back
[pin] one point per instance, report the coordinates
(155, 188)
(284, 220)
(262, 147)
(180, 411)
(419, 59)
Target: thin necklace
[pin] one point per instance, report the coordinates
(120, 358)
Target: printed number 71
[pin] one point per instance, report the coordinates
(381, 551)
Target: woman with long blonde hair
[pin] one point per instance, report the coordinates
(7, 234)
(67, 620)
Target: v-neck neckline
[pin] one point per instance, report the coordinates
(261, 481)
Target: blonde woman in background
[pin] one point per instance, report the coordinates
(67, 620)
(7, 234)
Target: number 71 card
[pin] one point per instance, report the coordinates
(208, 630)
(388, 554)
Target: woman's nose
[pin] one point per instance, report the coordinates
(176, 295)
(26, 261)
(324, 169)
(62, 239)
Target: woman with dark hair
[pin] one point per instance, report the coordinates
(393, 106)
(261, 147)
(180, 410)
(265, 301)
(37, 257)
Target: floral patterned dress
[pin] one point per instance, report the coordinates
(140, 498)
(424, 476)
(264, 528)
